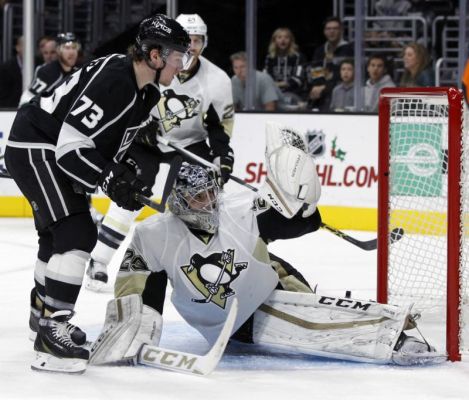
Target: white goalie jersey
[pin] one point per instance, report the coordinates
(195, 105)
(205, 276)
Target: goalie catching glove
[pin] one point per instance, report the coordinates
(121, 186)
(292, 182)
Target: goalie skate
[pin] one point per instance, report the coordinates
(55, 349)
(411, 351)
(97, 279)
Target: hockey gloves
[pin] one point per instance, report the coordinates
(121, 185)
(225, 164)
(147, 135)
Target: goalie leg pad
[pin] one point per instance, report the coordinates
(128, 325)
(328, 326)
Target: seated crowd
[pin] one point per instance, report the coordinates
(326, 83)
(288, 80)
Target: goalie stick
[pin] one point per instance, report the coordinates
(180, 361)
(395, 235)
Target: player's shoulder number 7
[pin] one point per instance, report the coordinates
(93, 116)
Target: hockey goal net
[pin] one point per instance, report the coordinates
(424, 189)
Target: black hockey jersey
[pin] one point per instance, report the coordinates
(287, 68)
(46, 78)
(89, 120)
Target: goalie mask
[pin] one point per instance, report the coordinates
(194, 198)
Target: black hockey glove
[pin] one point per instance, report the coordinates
(147, 134)
(225, 164)
(121, 186)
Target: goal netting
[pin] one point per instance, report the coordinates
(424, 189)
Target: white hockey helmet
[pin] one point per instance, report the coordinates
(194, 25)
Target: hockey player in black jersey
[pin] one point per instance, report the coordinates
(48, 76)
(196, 113)
(71, 141)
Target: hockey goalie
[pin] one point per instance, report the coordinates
(213, 249)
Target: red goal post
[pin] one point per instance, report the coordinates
(422, 188)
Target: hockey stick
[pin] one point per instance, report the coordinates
(179, 361)
(174, 167)
(395, 235)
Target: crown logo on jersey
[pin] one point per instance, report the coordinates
(213, 275)
(174, 108)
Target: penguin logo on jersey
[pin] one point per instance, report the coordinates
(174, 108)
(213, 275)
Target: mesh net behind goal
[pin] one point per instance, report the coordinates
(419, 133)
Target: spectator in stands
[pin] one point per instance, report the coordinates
(266, 93)
(47, 49)
(11, 78)
(343, 94)
(378, 79)
(417, 69)
(323, 71)
(285, 64)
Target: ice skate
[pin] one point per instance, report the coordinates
(77, 335)
(97, 277)
(55, 349)
(411, 351)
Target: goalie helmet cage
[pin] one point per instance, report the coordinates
(423, 187)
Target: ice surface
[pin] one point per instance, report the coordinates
(244, 372)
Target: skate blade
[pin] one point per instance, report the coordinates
(98, 286)
(45, 362)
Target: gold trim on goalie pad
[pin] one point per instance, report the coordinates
(316, 325)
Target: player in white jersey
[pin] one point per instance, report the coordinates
(214, 250)
(195, 112)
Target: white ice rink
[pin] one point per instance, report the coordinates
(244, 373)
